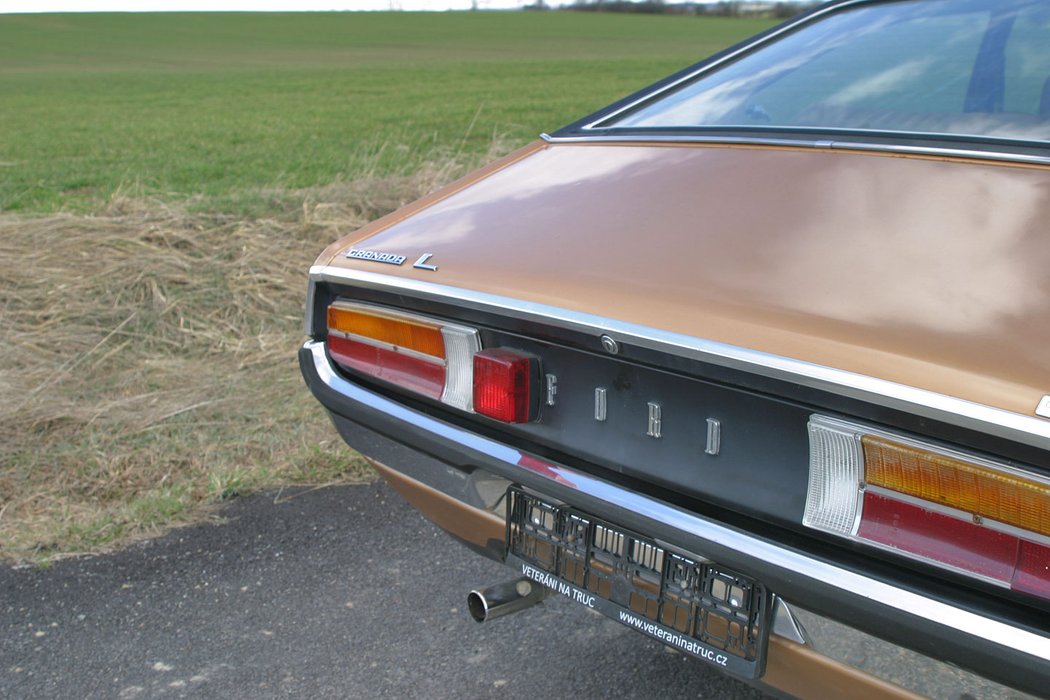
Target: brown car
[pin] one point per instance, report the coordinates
(765, 344)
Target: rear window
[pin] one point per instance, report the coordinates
(976, 68)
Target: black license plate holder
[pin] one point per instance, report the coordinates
(691, 604)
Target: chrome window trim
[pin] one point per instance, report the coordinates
(1028, 430)
(935, 611)
(818, 144)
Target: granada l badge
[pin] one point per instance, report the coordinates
(422, 263)
(375, 256)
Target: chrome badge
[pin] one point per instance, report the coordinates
(375, 256)
(422, 263)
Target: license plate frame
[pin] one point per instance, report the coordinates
(690, 603)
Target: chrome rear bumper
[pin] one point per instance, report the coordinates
(453, 461)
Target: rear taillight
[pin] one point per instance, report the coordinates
(422, 355)
(959, 512)
(505, 385)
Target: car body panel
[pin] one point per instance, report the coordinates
(889, 273)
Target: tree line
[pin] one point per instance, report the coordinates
(726, 8)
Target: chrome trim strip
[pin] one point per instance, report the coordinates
(995, 421)
(946, 615)
(818, 144)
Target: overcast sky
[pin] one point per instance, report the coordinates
(246, 5)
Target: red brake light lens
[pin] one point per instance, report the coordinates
(1033, 570)
(954, 542)
(504, 385)
(415, 373)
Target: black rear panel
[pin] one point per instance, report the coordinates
(760, 464)
(754, 458)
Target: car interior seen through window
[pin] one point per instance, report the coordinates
(919, 68)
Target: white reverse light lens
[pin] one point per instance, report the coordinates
(836, 464)
(460, 346)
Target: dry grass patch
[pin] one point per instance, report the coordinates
(148, 363)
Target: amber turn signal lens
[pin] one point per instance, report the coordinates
(956, 483)
(397, 332)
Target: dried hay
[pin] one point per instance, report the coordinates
(147, 363)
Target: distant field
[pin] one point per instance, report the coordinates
(166, 180)
(226, 107)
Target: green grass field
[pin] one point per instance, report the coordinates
(222, 107)
(166, 180)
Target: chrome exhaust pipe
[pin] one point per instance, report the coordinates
(504, 599)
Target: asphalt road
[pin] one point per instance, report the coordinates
(342, 592)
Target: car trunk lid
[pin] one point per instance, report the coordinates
(928, 272)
